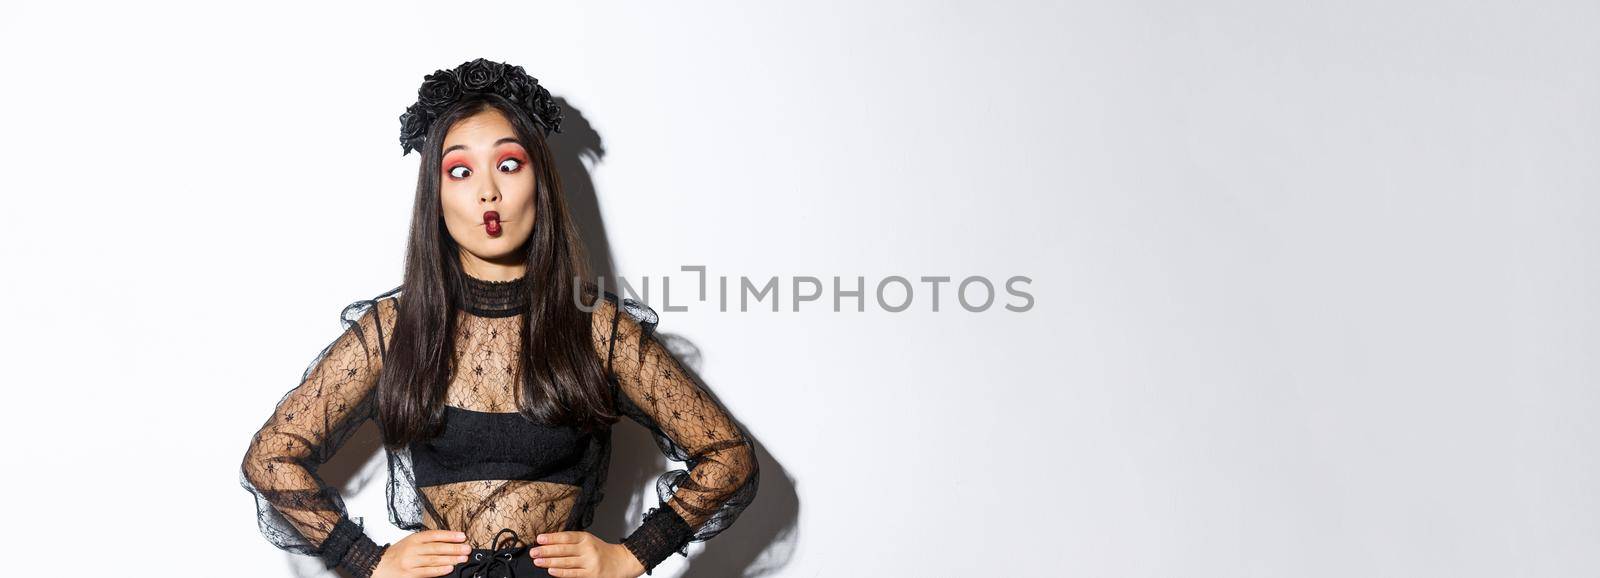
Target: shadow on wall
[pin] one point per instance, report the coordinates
(759, 543)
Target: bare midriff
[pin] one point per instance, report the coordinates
(485, 507)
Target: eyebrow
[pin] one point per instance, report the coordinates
(496, 143)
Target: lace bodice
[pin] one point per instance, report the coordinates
(298, 512)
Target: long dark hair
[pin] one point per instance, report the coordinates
(563, 382)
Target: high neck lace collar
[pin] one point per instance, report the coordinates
(493, 298)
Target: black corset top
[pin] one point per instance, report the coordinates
(479, 445)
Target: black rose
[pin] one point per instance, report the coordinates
(518, 86)
(413, 125)
(547, 109)
(438, 89)
(479, 74)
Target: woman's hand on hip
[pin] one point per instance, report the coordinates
(579, 554)
(424, 554)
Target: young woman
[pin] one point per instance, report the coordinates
(494, 372)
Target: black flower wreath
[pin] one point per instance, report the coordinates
(444, 87)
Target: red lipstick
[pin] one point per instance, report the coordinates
(491, 223)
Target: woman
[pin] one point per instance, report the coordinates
(494, 373)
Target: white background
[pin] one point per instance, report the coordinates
(1314, 282)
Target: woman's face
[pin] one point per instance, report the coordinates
(485, 171)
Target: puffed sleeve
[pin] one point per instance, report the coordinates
(696, 503)
(296, 510)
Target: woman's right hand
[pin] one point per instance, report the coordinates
(424, 554)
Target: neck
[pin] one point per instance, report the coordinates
(495, 292)
(487, 270)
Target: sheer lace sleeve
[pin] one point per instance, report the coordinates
(296, 510)
(696, 503)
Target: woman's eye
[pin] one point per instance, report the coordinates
(460, 172)
(510, 165)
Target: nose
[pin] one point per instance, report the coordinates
(490, 192)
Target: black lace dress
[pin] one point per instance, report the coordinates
(553, 478)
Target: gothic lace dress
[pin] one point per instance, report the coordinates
(494, 469)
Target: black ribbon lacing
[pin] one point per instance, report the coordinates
(499, 558)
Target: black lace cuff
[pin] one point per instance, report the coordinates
(662, 533)
(348, 546)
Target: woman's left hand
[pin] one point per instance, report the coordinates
(581, 554)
